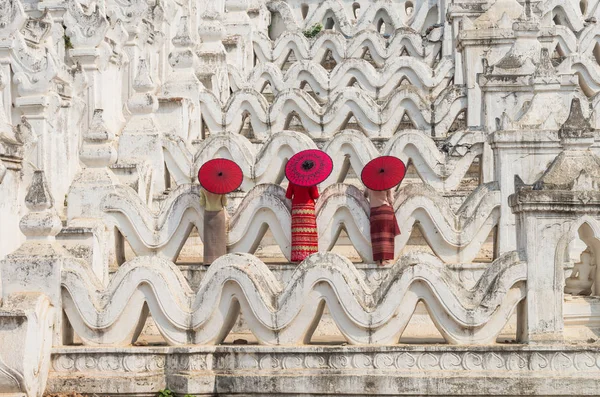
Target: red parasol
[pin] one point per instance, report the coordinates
(383, 173)
(220, 176)
(309, 167)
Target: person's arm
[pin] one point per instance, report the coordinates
(224, 204)
(314, 192)
(202, 198)
(390, 197)
(290, 191)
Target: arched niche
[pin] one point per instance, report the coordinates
(583, 252)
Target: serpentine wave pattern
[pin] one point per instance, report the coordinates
(288, 314)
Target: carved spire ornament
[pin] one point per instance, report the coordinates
(184, 61)
(576, 167)
(42, 222)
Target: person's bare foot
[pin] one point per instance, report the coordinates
(388, 262)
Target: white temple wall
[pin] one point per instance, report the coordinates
(108, 111)
(11, 210)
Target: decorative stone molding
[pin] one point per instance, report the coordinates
(457, 237)
(555, 205)
(380, 48)
(391, 358)
(11, 150)
(35, 267)
(288, 315)
(184, 62)
(272, 369)
(238, 26)
(85, 29)
(395, 17)
(12, 17)
(35, 69)
(348, 147)
(42, 222)
(377, 120)
(379, 83)
(141, 137)
(212, 67)
(87, 190)
(26, 326)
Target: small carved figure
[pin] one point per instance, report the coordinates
(581, 280)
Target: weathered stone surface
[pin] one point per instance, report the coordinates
(288, 314)
(351, 370)
(108, 111)
(26, 325)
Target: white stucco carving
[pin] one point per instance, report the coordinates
(288, 315)
(109, 109)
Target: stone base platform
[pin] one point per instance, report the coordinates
(407, 370)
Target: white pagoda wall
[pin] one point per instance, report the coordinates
(108, 110)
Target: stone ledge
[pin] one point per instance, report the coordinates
(555, 201)
(404, 369)
(399, 384)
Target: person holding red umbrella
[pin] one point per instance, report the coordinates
(305, 170)
(380, 175)
(217, 177)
